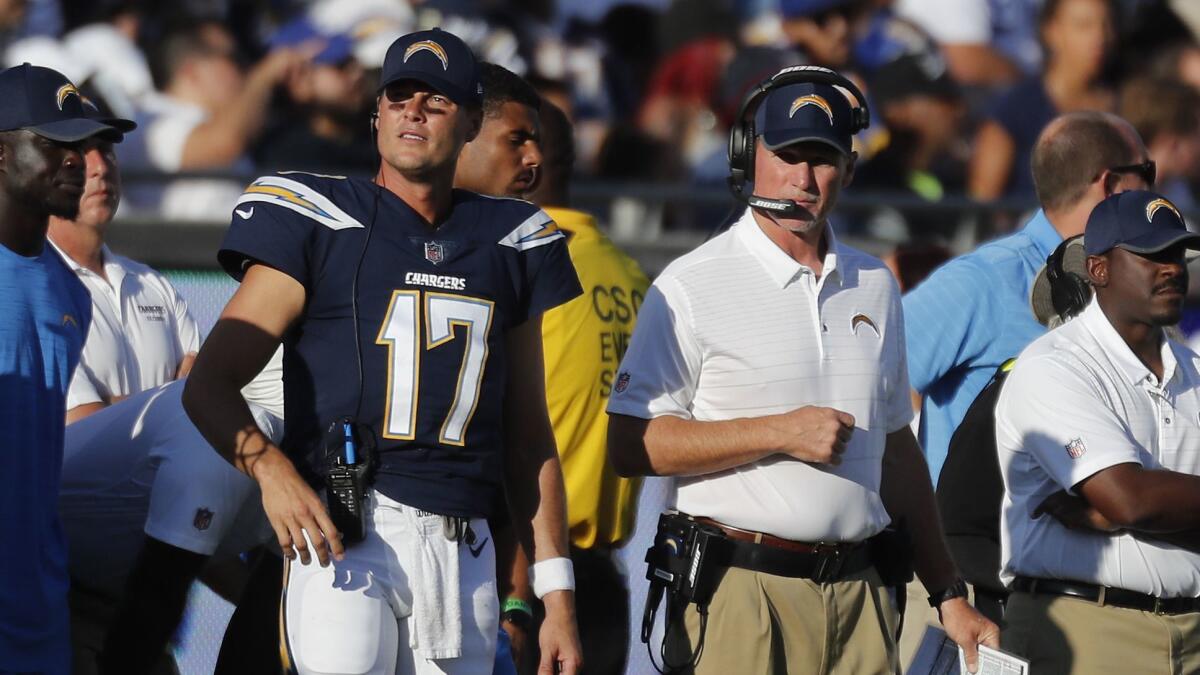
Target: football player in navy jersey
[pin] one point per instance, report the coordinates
(410, 318)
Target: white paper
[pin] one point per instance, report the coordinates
(995, 662)
(938, 655)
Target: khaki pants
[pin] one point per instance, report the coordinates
(770, 625)
(1071, 636)
(918, 616)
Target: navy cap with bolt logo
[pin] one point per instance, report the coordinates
(437, 58)
(1138, 221)
(805, 111)
(45, 102)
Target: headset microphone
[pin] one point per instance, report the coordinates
(781, 207)
(742, 134)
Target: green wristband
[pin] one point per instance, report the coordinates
(517, 605)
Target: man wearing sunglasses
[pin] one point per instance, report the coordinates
(973, 313)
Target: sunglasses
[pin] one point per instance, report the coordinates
(1147, 170)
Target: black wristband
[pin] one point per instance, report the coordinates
(517, 618)
(958, 589)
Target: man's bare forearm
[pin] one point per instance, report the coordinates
(215, 405)
(907, 494)
(673, 446)
(538, 514)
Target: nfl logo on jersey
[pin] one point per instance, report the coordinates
(1076, 448)
(435, 252)
(203, 519)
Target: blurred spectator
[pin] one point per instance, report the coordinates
(101, 57)
(1167, 115)
(1178, 62)
(821, 29)
(987, 42)
(749, 68)
(205, 117)
(677, 107)
(923, 111)
(1078, 36)
(322, 129)
(911, 262)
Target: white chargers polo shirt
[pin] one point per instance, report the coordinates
(141, 330)
(737, 328)
(1078, 402)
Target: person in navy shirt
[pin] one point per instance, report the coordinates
(44, 317)
(412, 311)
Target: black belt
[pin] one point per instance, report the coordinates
(1106, 596)
(826, 564)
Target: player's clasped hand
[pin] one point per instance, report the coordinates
(814, 434)
(294, 509)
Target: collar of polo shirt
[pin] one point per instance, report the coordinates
(781, 267)
(113, 269)
(1122, 356)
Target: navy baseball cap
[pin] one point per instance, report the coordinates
(45, 102)
(437, 58)
(805, 111)
(1138, 221)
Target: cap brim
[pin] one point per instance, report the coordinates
(455, 93)
(773, 140)
(122, 125)
(76, 129)
(1154, 242)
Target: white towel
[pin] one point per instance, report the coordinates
(436, 622)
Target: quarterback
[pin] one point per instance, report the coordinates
(410, 316)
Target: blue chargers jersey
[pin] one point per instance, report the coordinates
(434, 307)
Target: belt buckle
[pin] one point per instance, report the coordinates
(829, 566)
(1159, 609)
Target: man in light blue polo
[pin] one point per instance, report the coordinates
(44, 317)
(973, 313)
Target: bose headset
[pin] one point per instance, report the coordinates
(1069, 292)
(742, 135)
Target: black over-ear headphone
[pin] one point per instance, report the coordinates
(741, 136)
(1069, 292)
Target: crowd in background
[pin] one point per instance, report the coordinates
(959, 89)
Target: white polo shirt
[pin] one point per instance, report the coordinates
(737, 328)
(1078, 402)
(141, 330)
(139, 468)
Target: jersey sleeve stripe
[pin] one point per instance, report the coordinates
(300, 198)
(537, 230)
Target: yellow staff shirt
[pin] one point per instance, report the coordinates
(584, 341)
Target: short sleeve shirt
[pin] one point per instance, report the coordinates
(737, 328)
(966, 319)
(434, 307)
(141, 330)
(1077, 402)
(44, 317)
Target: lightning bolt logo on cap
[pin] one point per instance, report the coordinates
(1160, 203)
(65, 91)
(812, 99)
(428, 46)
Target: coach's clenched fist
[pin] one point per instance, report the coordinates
(813, 433)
